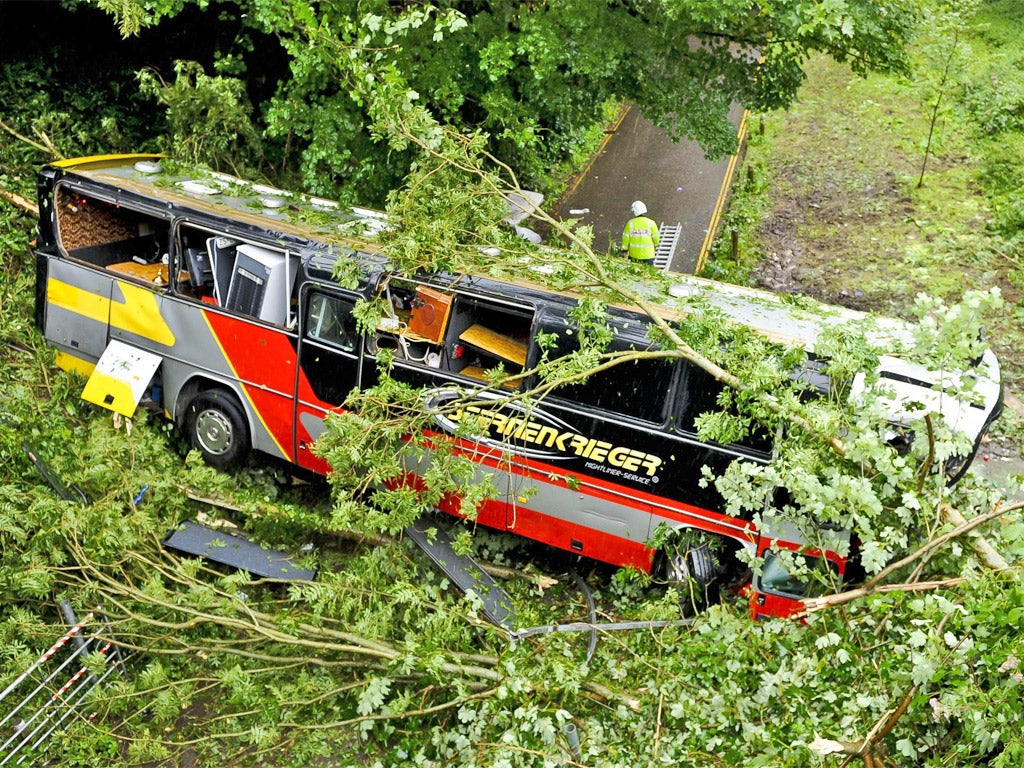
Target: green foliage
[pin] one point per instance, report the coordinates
(997, 107)
(381, 656)
(56, 109)
(132, 16)
(535, 80)
(378, 657)
(208, 117)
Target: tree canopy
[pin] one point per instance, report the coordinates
(533, 77)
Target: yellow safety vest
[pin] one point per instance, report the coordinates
(640, 238)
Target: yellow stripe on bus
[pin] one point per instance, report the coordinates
(74, 299)
(78, 162)
(68, 362)
(138, 314)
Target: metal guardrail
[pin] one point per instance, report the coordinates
(54, 688)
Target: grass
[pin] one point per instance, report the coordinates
(835, 210)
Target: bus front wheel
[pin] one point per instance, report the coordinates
(215, 425)
(689, 562)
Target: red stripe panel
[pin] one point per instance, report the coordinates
(257, 353)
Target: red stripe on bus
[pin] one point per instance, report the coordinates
(263, 359)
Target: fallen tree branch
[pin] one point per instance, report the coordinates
(873, 586)
(868, 748)
(962, 527)
(987, 554)
(812, 604)
(46, 146)
(21, 202)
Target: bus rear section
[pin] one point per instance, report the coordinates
(213, 304)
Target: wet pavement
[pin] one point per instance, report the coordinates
(638, 161)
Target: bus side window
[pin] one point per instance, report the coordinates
(700, 392)
(329, 319)
(700, 395)
(777, 577)
(115, 237)
(638, 388)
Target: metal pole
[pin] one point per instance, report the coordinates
(72, 621)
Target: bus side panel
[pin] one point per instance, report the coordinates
(137, 317)
(262, 359)
(596, 519)
(608, 521)
(564, 533)
(78, 311)
(764, 605)
(309, 425)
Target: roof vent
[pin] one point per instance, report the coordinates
(148, 166)
(194, 187)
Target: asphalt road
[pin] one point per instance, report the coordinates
(638, 161)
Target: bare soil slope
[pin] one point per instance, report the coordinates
(848, 223)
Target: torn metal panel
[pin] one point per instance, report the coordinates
(463, 571)
(191, 538)
(121, 377)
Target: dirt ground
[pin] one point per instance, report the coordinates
(848, 225)
(814, 267)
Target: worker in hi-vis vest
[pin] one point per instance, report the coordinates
(640, 237)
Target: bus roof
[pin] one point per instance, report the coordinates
(782, 319)
(220, 194)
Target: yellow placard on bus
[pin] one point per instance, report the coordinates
(120, 378)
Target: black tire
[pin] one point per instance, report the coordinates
(215, 425)
(688, 563)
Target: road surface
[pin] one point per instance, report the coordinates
(638, 161)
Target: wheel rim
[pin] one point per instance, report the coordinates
(213, 432)
(676, 569)
(685, 561)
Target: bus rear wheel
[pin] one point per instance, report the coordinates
(215, 426)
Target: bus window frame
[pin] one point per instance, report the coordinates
(139, 207)
(625, 336)
(307, 343)
(179, 259)
(460, 298)
(684, 418)
(813, 560)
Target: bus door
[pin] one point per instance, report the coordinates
(598, 452)
(446, 342)
(329, 360)
(484, 334)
